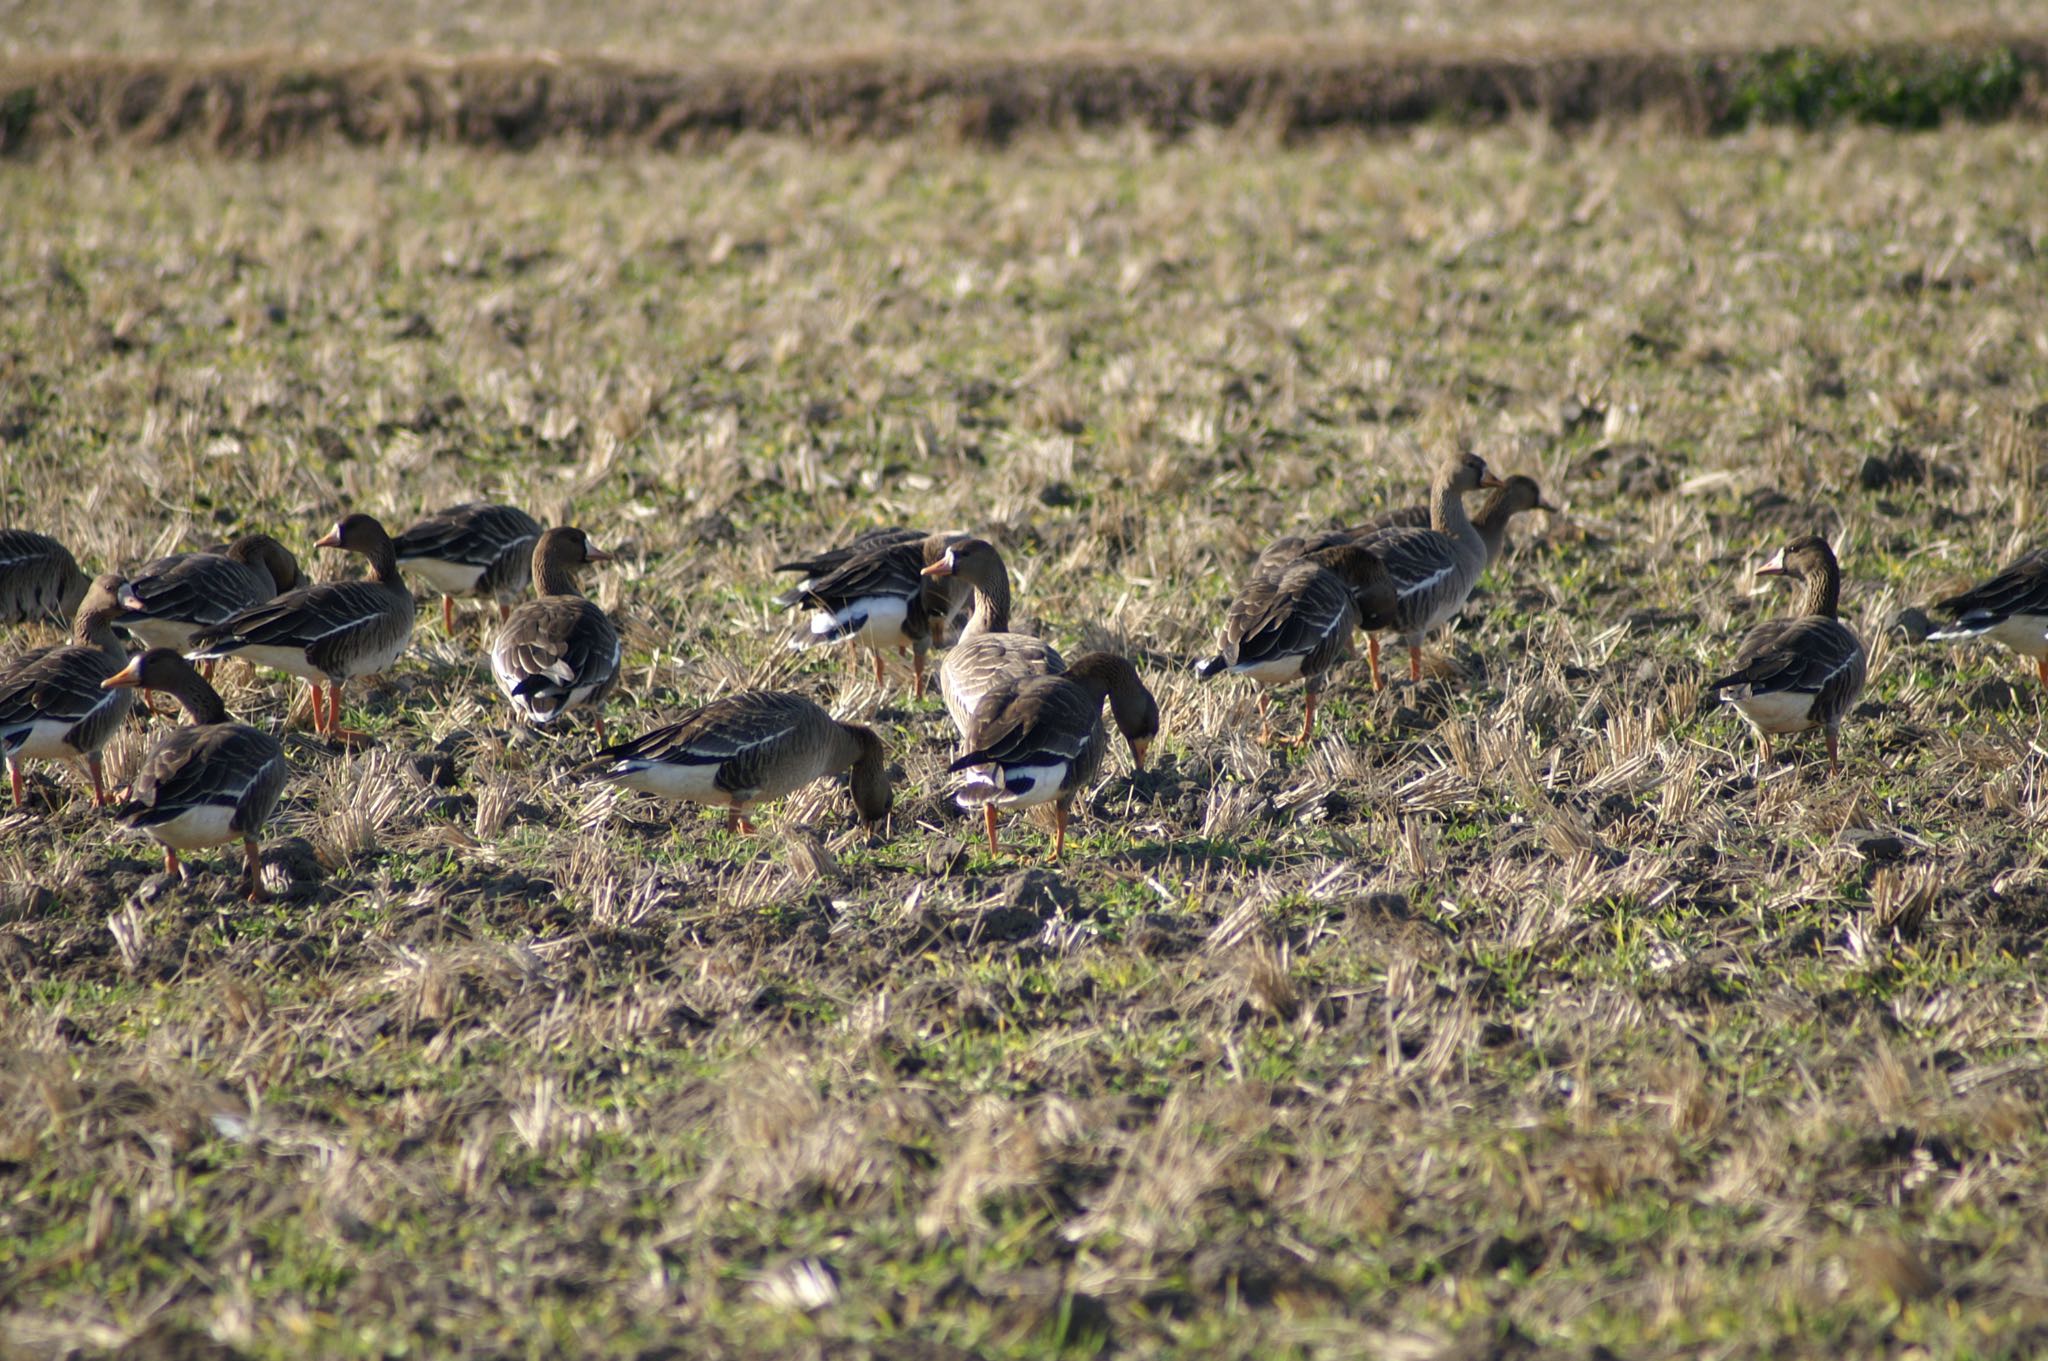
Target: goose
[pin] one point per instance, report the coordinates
(1516, 495)
(1042, 741)
(39, 579)
(165, 602)
(945, 602)
(333, 631)
(751, 748)
(477, 548)
(875, 596)
(206, 783)
(52, 706)
(558, 651)
(1435, 569)
(1295, 619)
(2011, 608)
(1805, 672)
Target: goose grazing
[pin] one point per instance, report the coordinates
(944, 601)
(1515, 496)
(2011, 608)
(169, 600)
(52, 706)
(987, 656)
(875, 596)
(39, 579)
(558, 651)
(1804, 672)
(476, 548)
(1434, 569)
(207, 783)
(1043, 740)
(751, 748)
(332, 632)
(1295, 621)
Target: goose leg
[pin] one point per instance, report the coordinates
(1372, 659)
(1308, 720)
(598, 719)
(346, 736)
(14, 780)
(876, 653)
(313, 703)
(206, 669)
(2041, 667)
(1265, 717)
(1415, 663)
(448, 613)
(988, 822)
(917, 675)
(1059, 830)
(1834, 753)
(171, 865)
(252, 877)
(99, 784)
(504, 612)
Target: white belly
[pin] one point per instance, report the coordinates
(288, 659)
(197, 828)
(161, 632)
(449, 578)
(371, 663)
(45, 741)
(1783, 712)
(2026, 634)
(1277, 671)
(883, 626)
(980, 786)
(697, 783)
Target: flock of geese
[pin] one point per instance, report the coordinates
(1030, 722)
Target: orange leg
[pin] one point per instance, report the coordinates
(1265, 717)
(313, 700)
(1308, 720)
(14, 781)
(1372, 659)
(1415, 663)
(206, 669)
(917, 675)
(736, 821)
(171, 865)
(877, 654)
(448, 613)
(504, 612)
(2041, 666)
(252, 880)
(988, 822)
(99, 784)
(599, 720)
(1834, 753)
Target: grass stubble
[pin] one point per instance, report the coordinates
(1512, 1017)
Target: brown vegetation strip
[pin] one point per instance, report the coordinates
(267, 102)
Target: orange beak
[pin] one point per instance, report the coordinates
(942, 568)
(592, 553)
(332, 539)
(1138, 750)
(127, 678)
(1491, 481)
(1775, 567)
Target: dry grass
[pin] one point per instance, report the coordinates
(1512, 1018)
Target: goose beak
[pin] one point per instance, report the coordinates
(942, 568)
(127, 678)
(1139, 746)
(1544, 505)
(1491, 481)
(592, 553)
(331, 539)
(1775, 567)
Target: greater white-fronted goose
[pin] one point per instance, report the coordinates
(751, 748)
(39, 579)
(876, 597)
(477, 548)
(332, 632)
(945, 601)
(1804, 672)
(1295, 619)
(1515, 496)
(1435, 569)
(1043, 740)
(166, 602)
(2011, 608)
(52, 706)
(207, 783)
(558, 651)
(987, 657)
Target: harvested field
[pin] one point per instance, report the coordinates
(1515, 1017)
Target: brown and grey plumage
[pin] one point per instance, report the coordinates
(558, 651)
(1515, 496)
(204, 784)
(166, 602)
(333, 631)
(751, 748)
(39, 579)
(52, 706)
(876, 597)
(944, 601)
(1804, 672)
(1295, 619)
(1435, 569)
(2011, 608)
(477, 548)
(1042, 740)
(987, 657)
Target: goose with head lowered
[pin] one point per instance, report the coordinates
(205, 783)
(1517, 495)
(944, 601)
(1042, 741)
(1295, 620)
(39, 579)
(558, 651)
(477, 548)
(52, 706)
(751, 748)
(331, 632)
(1804, 672)
(166, 602)
(873, 595)
(2011, 608)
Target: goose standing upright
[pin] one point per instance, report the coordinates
(875, 596)
(333, 631)
(166, 602)
(2011, 608)
(1042, 741)
(558, 651)
(750, 748)
(1295, 619)
(943, 601)
(1435, 569)
(206, 783)
(39, 579)
(52, 706)
(477, 548)
(1804, 672)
